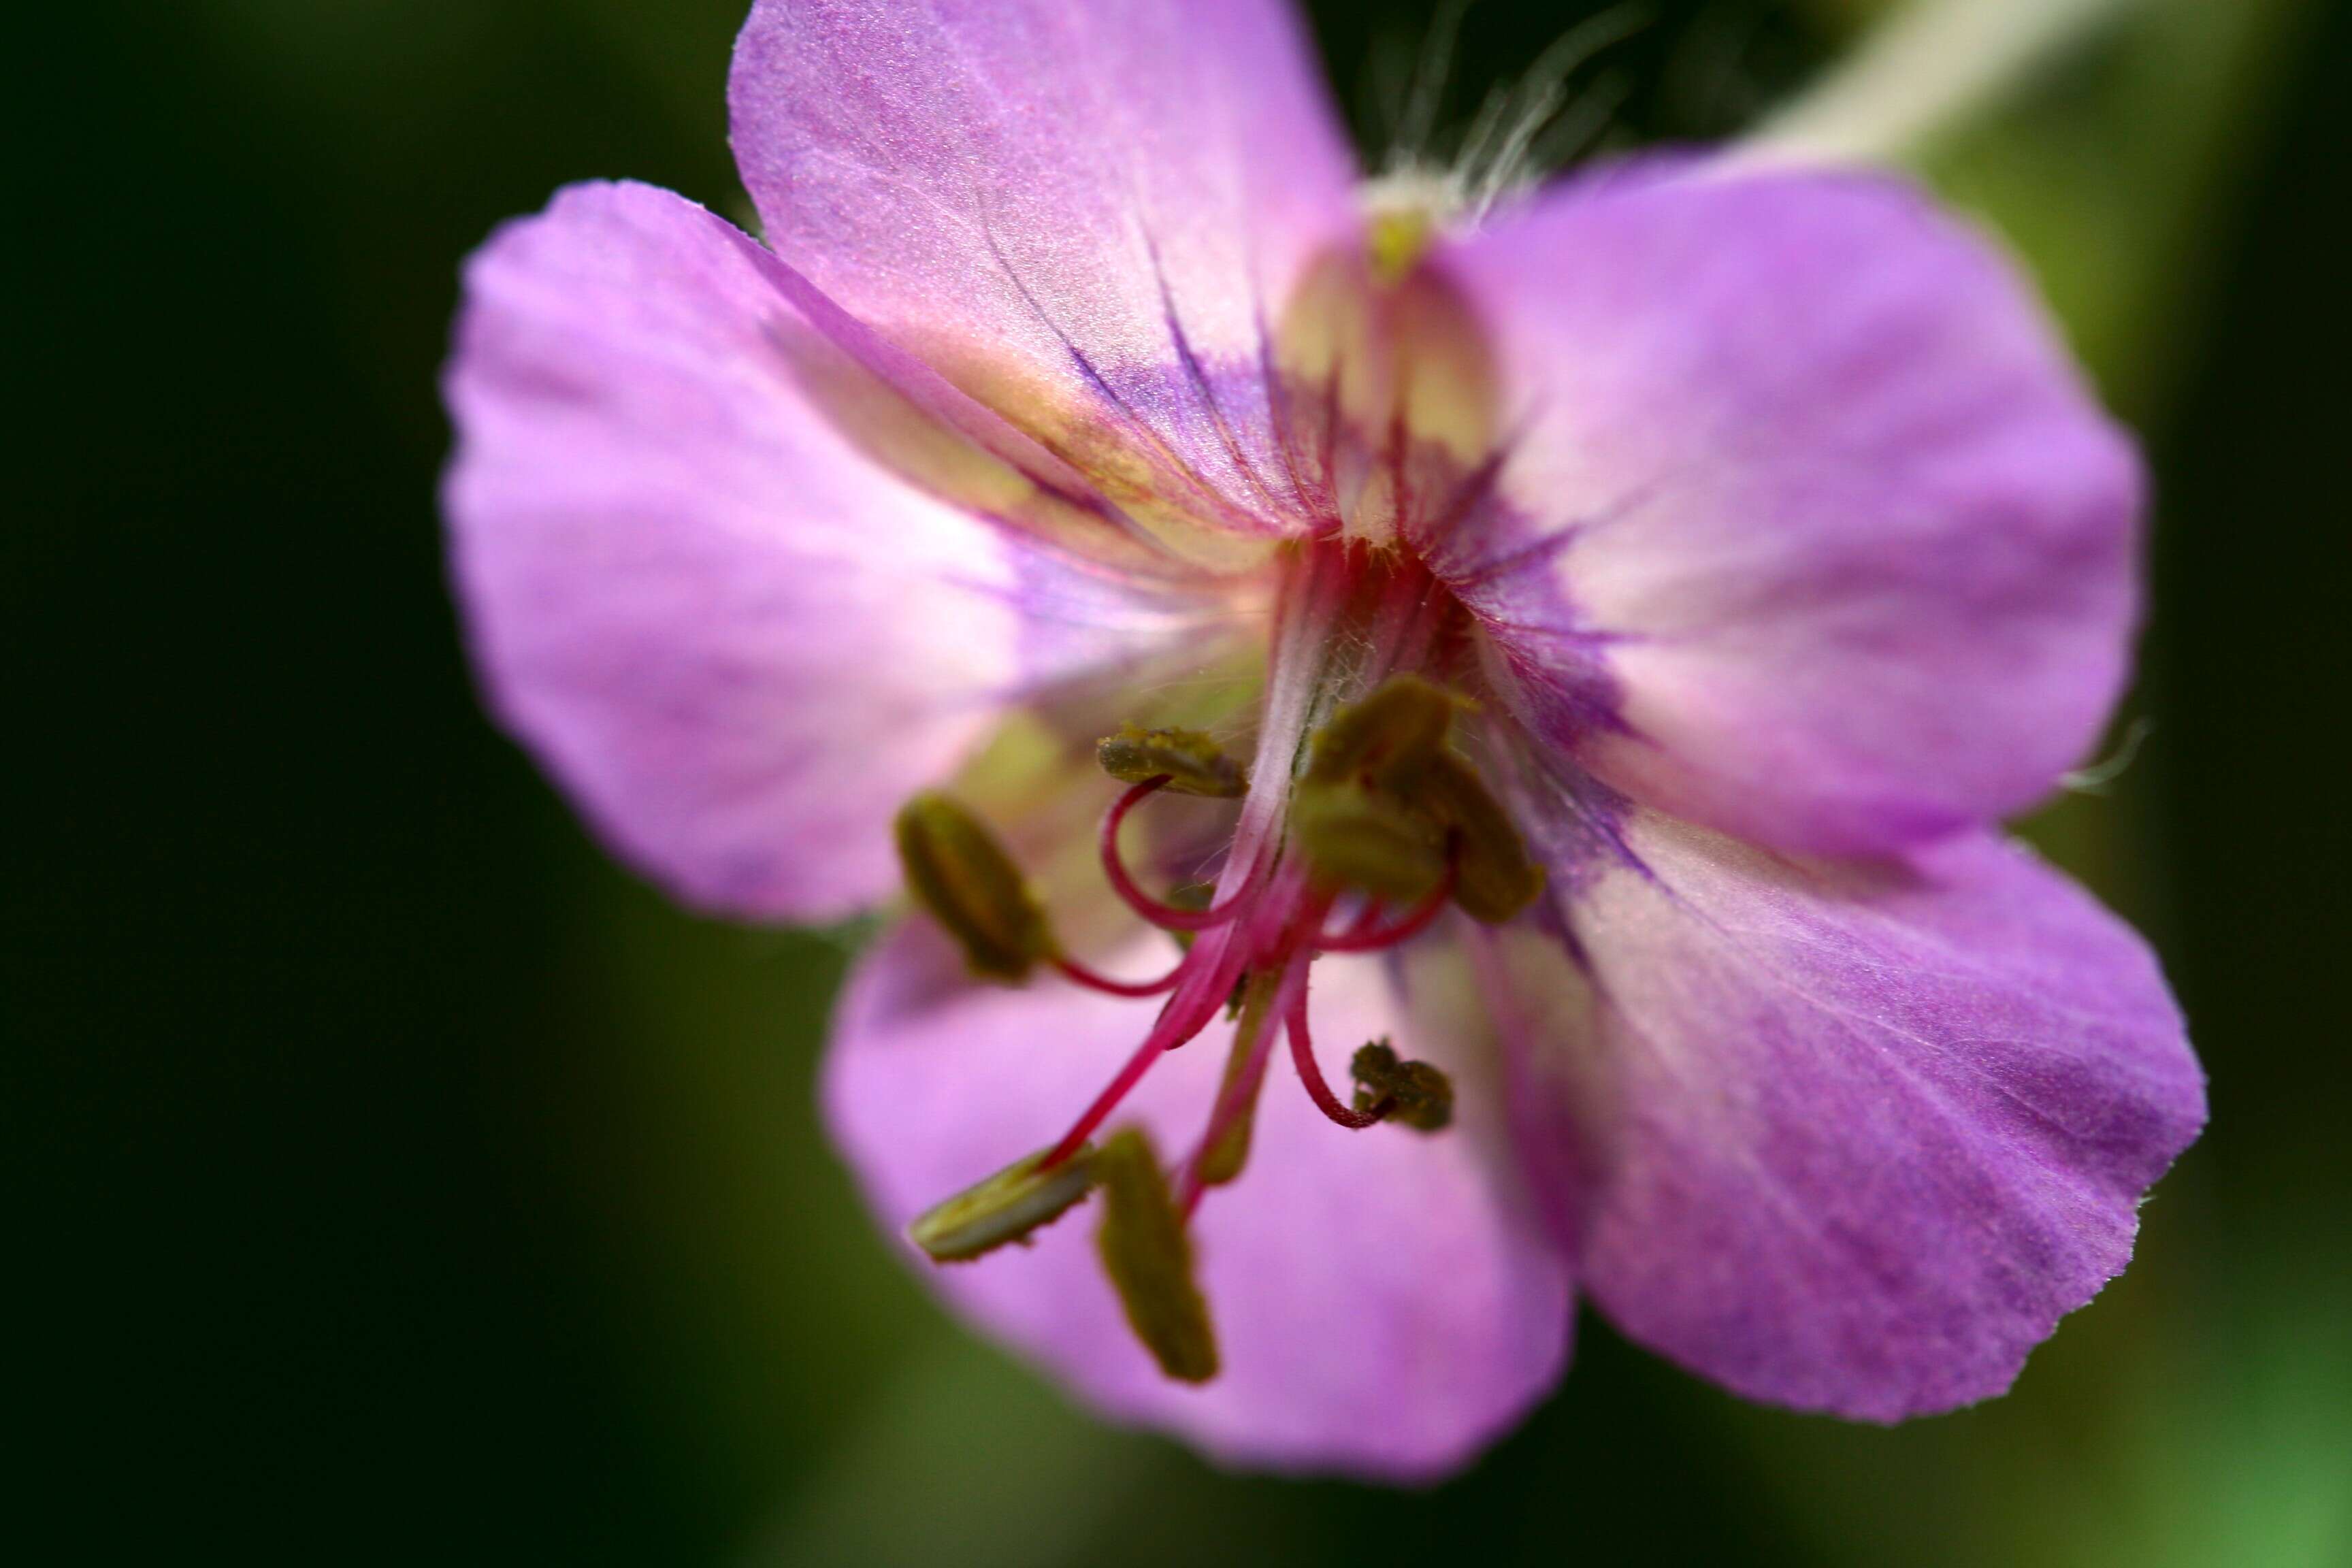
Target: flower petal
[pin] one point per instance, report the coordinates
(1809, 533)
(1846, 1138)
(1384, 1302)
(1085, 215)
(738, 640)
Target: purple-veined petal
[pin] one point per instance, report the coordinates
(738, 640)
(1845, 1138)
(1807, 529)
(1089, 216)
(1385, 1301)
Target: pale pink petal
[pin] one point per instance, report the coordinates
(1807, 530)
(737, 641)
(1087, 215)
(1846, 1138)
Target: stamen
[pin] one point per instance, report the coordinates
(1302, 1057)
(1006, 1208)
(1225, 1147)
(1388, 735)
(958, 871)
(1193, 899)
(1108, 1100)
(1494, 877)
(1414, 1093)
(1190, 761)
(1148, 1257)
(1362, 937)
(1166, 916)
(1184, 1016)
(1361, 837)
(1372, 807)
(1095, 981)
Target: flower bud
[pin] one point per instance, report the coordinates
(1414, 1093)
(961, 875)
(1149, 1258)
(1006, 1208)
(1191, 762)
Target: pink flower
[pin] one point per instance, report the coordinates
(1681, 572)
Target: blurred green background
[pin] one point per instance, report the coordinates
(395, 1180)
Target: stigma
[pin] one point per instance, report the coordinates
(1368, 833)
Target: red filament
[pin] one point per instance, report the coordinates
(1166, 916)
(1302, 1057)
(1095, 981)
(1363, 937)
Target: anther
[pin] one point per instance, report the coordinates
(1190, 761)
(1162, 914)
(1354, 835)
(1493, 878)
(1222, 1159)
(1414, 1093)
(1384, 807)
(962, 876)
(1148, 1257)
(1006, 1206)
(1388, 736)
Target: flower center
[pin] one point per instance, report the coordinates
(1360, 825)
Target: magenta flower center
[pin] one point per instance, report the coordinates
(1359, 826)
(1272, 916)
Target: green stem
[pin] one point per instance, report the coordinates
(1928, 71)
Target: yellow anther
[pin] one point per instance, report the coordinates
(1148, 1257)
(1493, 877)
(1191, 762)
(961, 875)
(1007, 1207)
(1414, 1093)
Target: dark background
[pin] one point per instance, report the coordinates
(393, 1180)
